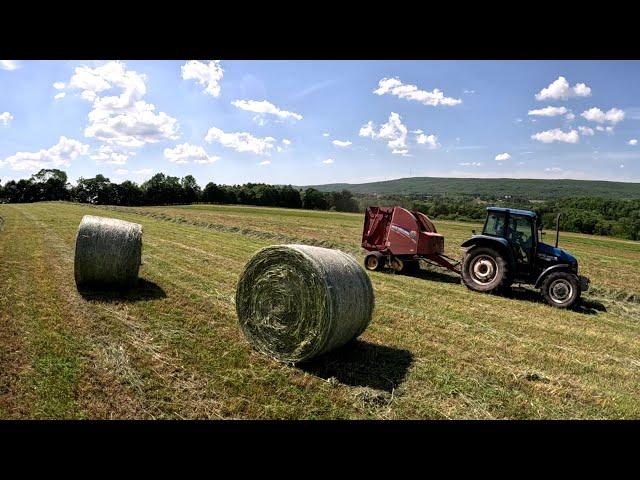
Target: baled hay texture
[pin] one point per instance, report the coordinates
(295, 302)
(108, 252)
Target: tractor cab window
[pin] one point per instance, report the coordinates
(520, 236)
(494, 225)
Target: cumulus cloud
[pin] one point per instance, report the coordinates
(264, 107)
(548, 111)
(265, 162)
(286, 142)
(9, 64)
(325, 134)
(394, 131)
(341, 143)
(556, 135)
(208, 74)
(143, 171)
(5, 118)
(328, 161)
(561, 90)
(58, 85)
(633, 141)
(241, 141)
(125, 119)
(586, 131)
(594, 114)
(608, 129)
(430, 140)
(59, 155)
(111, 155)
(186, 153)
(570, 116)
(501, 157)
(58, 96)
(394, 86)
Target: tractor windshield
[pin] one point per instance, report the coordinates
(494, 225)
(520, 236)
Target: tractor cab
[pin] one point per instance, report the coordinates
(510, 250)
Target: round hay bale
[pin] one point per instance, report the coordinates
(295, 302)
(108, 252)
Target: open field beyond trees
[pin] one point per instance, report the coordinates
(171, 348)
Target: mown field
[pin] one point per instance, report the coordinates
(171, 348)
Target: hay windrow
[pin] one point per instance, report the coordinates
(295, 302)
(108, 252)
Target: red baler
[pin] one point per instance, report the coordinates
(400, 238)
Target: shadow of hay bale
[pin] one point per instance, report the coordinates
(362, 364)
(142, 291)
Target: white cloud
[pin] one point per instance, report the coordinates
(58, 85)
(570, 116)
(286, 142)
(608, 129)
(241, 141)
(470, 164)
(553, 169)
(430, 140)
(394, 131)
(586, 131)
(111, 155)
(548, 111)
(124, 120)
(9, 64)
(186, 153)
(143, 171)
(340, 143)
(122, 171)
(560, 90)
(403, 152)
(394, 86)
(469, 92)
(58, 96)
(265, 162)
(59, 155)
(5, 118)
(556, 135)
(633, 141)
(328, 161)
(501, 157)
(264, 107)
(325, 134)
(208, 74)
(594, 114)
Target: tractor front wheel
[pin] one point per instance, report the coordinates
(484, 270)
(561, 289)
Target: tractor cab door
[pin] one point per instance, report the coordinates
(521, 237)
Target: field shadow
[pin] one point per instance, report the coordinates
(434, 275)
(142, 291)
(362, 364)
(586, 306)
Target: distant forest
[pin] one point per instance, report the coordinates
(592, 214)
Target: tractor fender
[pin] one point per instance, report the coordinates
(553, 268)
(497, 243)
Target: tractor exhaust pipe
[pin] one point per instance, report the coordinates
(558, 229)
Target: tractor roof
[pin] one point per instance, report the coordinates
(511, 210)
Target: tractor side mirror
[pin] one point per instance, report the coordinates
(473, 231)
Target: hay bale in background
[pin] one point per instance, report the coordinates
(108, 252)
(295, 302)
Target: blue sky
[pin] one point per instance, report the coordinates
(311, 122)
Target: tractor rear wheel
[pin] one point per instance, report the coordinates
(484, 270)
(374, 261)
(561, 289)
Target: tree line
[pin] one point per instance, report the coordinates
(599, 216)
(161, 189)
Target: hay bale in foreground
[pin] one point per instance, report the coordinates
(108, 252)
(295, 302)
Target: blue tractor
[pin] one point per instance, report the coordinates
(510, 250)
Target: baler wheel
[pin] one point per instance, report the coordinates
(374, 262)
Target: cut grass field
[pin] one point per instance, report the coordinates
(171, 348)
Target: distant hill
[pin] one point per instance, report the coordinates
(533, 189)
